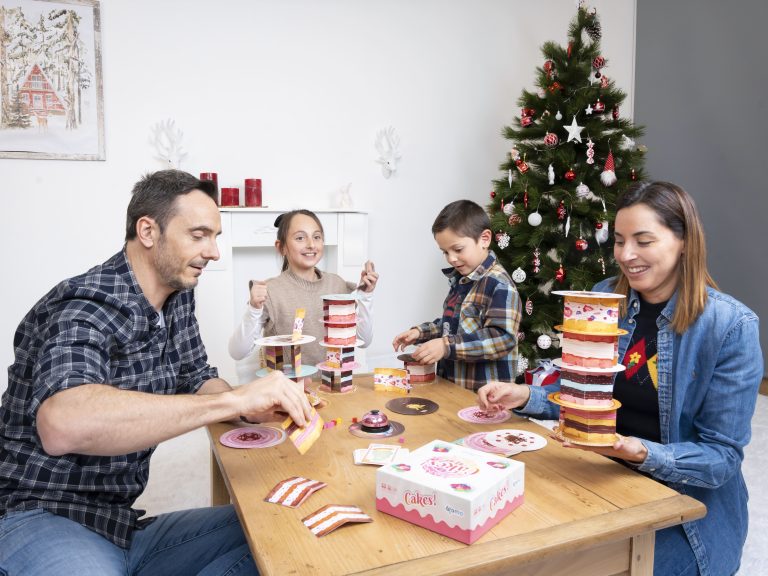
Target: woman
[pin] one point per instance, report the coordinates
(686, 410)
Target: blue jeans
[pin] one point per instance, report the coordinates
(204, 541)
(673, 555)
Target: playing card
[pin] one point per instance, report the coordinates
(292, 492)
(303, 438)
(331, 516)
(476, 415)
(380, 454)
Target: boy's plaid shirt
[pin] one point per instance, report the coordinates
(484, 347)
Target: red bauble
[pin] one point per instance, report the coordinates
(581, 244)
(527, 112)
(525, 198)
(570, 175)
(599, 107)
(598, 62)
(525, 121)
(560, 274)
(549, 66)
(555, 86)
(598, 225)
(493, 194)
(551, 139)
(498, 237)
(521, 166)
(615, 113)
(561, 210)
(515, 219)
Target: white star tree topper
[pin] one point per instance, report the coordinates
(574, 131)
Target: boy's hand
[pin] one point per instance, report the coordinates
(404, 339)
(258, 291)
(368, 278)
(430, 352)
(496, 396)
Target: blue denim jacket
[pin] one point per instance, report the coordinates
(708, 383)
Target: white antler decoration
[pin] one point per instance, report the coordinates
(166, 139)
(387, 143)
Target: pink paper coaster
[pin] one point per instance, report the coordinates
(254, 437)
(478, 416)
(478, 442)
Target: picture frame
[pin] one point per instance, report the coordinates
(51, 92)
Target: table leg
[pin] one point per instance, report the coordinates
(219, 493)
(641, 561)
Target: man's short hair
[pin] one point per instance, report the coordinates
(155, 196)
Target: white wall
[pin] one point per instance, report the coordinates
(293, 92)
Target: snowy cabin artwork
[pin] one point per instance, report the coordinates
(50, 80)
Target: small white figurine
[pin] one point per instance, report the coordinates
(551, 175)
(344, 198)
(387, 143)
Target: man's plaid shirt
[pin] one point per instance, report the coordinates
(481, 316)
(95, 328)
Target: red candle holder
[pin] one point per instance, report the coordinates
(209, 176)
(253, 192)
(230, 197)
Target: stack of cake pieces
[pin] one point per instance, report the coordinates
(590, 359)
(340, 340)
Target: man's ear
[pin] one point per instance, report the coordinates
(147, 231)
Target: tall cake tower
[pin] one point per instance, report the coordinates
(590, 344)
(283, 352)
(340, 341)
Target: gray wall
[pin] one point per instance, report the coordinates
(701, 91)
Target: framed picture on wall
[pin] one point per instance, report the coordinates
(51, 97)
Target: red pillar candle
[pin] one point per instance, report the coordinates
(253, 191)
(230, 196)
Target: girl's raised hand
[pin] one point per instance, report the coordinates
(258, 293)
(368, 277)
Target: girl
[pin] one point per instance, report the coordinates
(686, 410)
(272, 304)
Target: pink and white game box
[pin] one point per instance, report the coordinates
(450, 489)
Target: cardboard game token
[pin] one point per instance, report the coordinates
(412, 406)
(254, 437)
(516, 439)
(478, 442)
(476, 415)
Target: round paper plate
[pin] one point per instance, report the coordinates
(576, 368)
(357, 343)
(253, 437)
(476, 415)
(555, 397)
(617, 332)
(284, 340)
(348, 367)
(349, 296)
(511, 439)
(478, 442)
(289, 372)
(412, 406)
(560, 437)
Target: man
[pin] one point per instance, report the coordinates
(107, 365)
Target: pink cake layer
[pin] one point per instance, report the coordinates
(341, 341)
(588, 362)
(422, 377)
(326, 388)
(585, 402)
(441, 527)
(348, 319)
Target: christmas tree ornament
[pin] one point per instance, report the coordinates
(588, 109)
(551, 175)
(615, 113)
(528, 306)
(549, 68)
(515, 219)
(551, 139)
(558, 116)
(493, 194)
(599, 107)
(627, 143)
(518, 275)
(601, 232)
(581, 245)
(604, 81)
(567, 226)
(528, 112)
(520, 336)
(590, 151)
(632, 174)
(525, 198)
(570, 49)
(498, 236)
(554, 87)
(598, 62)
(522, 365)
(593, 29)
(509, 209)
(574, 131)
(608, 175)
(582, 190)
(503, 242)
(570, 175)
(560, 274)
(534, 218)
(536, 260)
(543, 341)
(509, 177)
(561, 210)
(526, 121)
(514, 154)
(602, 264)
(522, 166)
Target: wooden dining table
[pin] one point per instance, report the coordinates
(583, 514)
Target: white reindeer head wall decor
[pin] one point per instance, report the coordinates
(166, 139)
(387, 143)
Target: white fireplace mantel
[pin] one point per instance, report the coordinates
(247, 248)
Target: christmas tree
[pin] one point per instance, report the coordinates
(18, 116)
(572, 155)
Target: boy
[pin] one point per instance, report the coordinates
(475, 341)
